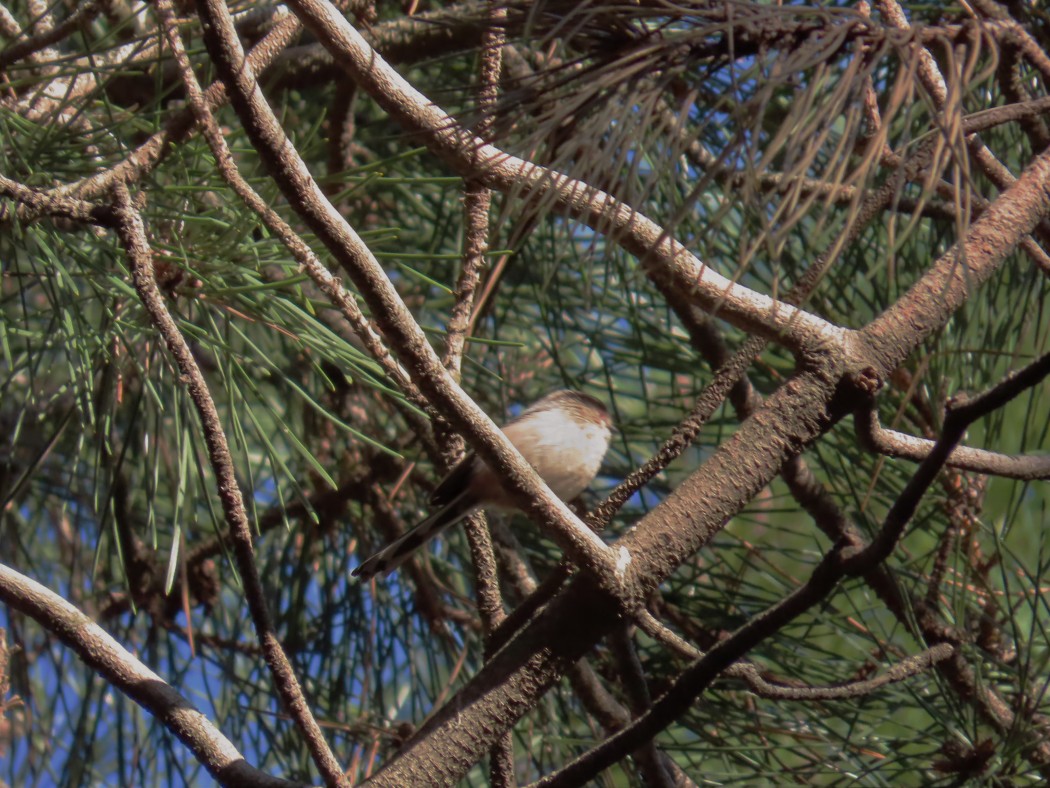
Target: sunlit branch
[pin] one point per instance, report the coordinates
(898, 444)
(388, 309)
(124, 672)
(663, 258)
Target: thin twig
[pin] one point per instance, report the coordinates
(772, 690)
(322, 277)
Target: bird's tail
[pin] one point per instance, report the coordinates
(398, 551)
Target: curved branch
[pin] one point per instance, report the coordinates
(961, 413)
(665, 260)
(99, 651)
(898, 444)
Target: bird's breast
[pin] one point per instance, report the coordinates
(565, 451)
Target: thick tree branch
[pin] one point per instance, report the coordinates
(844, 560)
(792, 418)
(33, 203)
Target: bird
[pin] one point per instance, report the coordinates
(564, 436)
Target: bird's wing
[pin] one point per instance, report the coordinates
(454, 483)
(395, 553)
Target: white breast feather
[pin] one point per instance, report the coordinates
(565, 451)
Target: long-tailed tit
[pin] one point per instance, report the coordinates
(564, 436)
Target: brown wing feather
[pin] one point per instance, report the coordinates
(454, 483)
(397, 552)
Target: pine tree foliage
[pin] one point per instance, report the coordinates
(834, 158)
